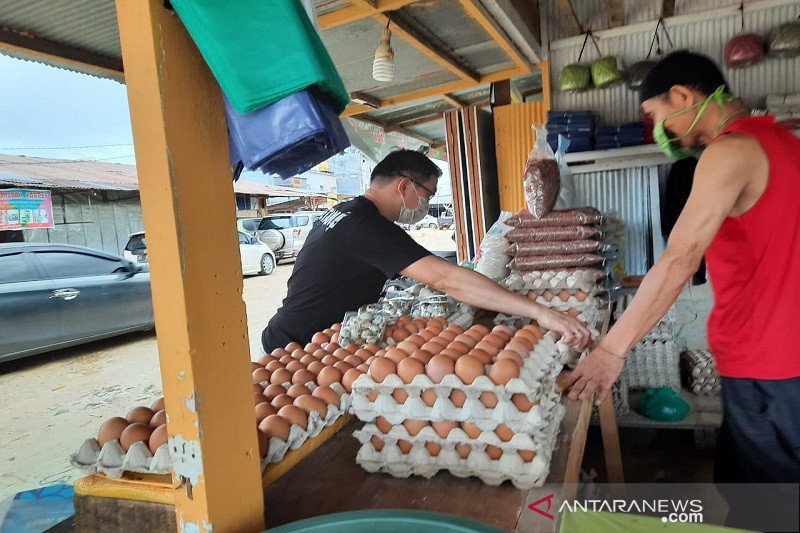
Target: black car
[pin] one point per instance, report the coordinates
(57, 295)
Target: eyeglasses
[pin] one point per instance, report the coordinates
(415, 182)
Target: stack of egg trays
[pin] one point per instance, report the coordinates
(578, 280)
(654, 364)
(700, 372)
(619, 396)
(666, 329)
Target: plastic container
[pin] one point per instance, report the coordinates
(385, 521)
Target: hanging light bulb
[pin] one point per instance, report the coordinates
(383, 66)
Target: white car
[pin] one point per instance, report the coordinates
(427, 222)
(257, 257)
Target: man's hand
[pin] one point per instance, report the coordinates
(593, 376)
(573, 331)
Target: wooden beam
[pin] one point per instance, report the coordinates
(474, 10)
(340, 17)
(421, 121)
(452, 101)
(616, 13)
(667, 8)
(399, 129)
(183, 165)
(575, 26)
(501, 93)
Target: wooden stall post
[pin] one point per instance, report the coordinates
(189, 214)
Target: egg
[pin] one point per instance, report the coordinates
(406, 346)
(416, 340)
(428, 397)
(157, 405)
(353, 360)
(327, 394)
(409, 368)
(335, 338)
(510, 354)
(527, 455)
(343, 366)
(422, 355)
(135, 432)
(466, 340)
(443, 429)
(312, 347)
(488, 399)
(458, 397)
(535, 330)
(459, 347)
(481, 355)
(320, 338)
(496, 340)
(581, 296)
(111, 430)
(472, 334)
(272, 366)
(281, 400)
(400, 396)
(363, 354)
(433, 346)
(275, 426)
(372, 395)
(564, 295)
(328, 376)
(349, 377)
(295, 366)
(382, 367)
(331, 347)
(472, 430)
(489, 348)
(396, 354)
(447, 336)
(263, 443)
(294, 415)
(433, 448)
(504, 330)
(404, 446)
(310, 404)
(526, 336)
(277, 353)
(295, 391)
(415, 426)
(426, 335)
(452, 354)
(286, 359)
(271, 391)
(400, 334)
(258, 398)
(421, 323)
(574, 313)
(292, 346)
(337, 327)
(364, 367)
(379, 353)
(467, 368)
(139, 415)
(298, 354)
(376, 443)
(341, 353)
(158, 438)
(463, 450)
(257, 389)
(330, 360)
(480, 328)
(504, 432)
(438, 367)
(308, 359)
(383, 425)
(521, 402)
(458, 330)
(519, 346)
(263, 410)
(301, 377)
(351, 348)
(158, 419)
(264, 360)
(531, 295)
(280, 376)
(493, 452)
(503, 370)
(255, 366)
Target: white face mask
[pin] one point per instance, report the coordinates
(411, 216)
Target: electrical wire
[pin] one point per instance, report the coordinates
(62, 147)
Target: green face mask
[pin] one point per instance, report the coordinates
(671, 146)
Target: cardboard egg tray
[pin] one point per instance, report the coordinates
(418, 461)
(536, 382)
(653, 364)
(576, 280)
(112, 460)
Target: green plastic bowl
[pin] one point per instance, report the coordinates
(385, 521)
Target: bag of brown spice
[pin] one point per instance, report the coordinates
(541, 179)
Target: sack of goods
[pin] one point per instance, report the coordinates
(744, 50)
(606, 72)
(785, 41)
(541, 180)
(575, 78)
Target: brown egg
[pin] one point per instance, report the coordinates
(472, 430)
(297, 354)
(371, 348)
(140, 415)
(434, 346)
(574, 313)
(343, 366)
(466, 340)
(400, 396)
(372, 395)
(158, 419)
(564, 295)
(472, 334)
(438, 367)
(458, 330)
(495, 339)
(292, 346)
(534, 329)
(369, 360)
(294, 415)
(489, 348)
(404, 446)
(520, 346)
(409, 368)
(158, 438)
(263, 443)
(327, 394)
(422, 355)
(328, 376)
(443, 429)
(426, 335)
(527, 455)
(363, 354)
(255, 366)
(331, 347)
(415, 426)
(277, 353)
(510, 354)
(272, 366)
(320, 338)
(264, 360)
(504, 330)
(376, 443)
(400, 334)
(330, 360)
(488, 399)
(135, 432)
(503, 370)
(111, 430)
(295, 391)
(396, 354)
(548, 295)
(433, 448)
(364, 367)
(335, 338)
(286, 359)
(420, 322)
(447, 336)
(308, 359)
(504, 432)
(275, 426)
(341, 353)
(428, 397)
(459, 347)
(263, 410)
(467, 368)
(480, 328)
(282, 400)
(351, 348)
(312, 347)
(450, 353)
(319, 355)
(295, 366)
(272, 391)
(382, 424)
(257, 389)
(407, 346)
(458, 397)
(382, 367)
(463, 450)
(301, 377)
(522, 402)
(349, 377)
(258, 398)
(308, 403)
(158, 405)
(337, 327)
(481, 355)
(280, 376)
(493, 452)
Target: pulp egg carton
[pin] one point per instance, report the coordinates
(418, 461)
(577, 280)
(536, 382)
(620, 400)
(700, 372)
(653, 364)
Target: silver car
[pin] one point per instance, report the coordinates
(57, 295)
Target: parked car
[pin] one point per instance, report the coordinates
(257, 257)
(57, 295)
(284, 233)
(446, 220)
(427, 222)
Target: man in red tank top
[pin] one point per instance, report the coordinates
(743, 214)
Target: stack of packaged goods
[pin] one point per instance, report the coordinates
(630, 134)
(577, 126)
(786, 108)
(700, 372)
(473, 402)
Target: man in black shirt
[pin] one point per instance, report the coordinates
(356, 247)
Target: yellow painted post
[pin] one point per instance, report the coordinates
(189, 214)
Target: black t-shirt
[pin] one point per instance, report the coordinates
(346, 259)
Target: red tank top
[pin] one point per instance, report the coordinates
(754, 264)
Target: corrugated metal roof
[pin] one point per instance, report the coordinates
(36, 172)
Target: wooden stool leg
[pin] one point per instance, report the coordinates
(608, 427)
